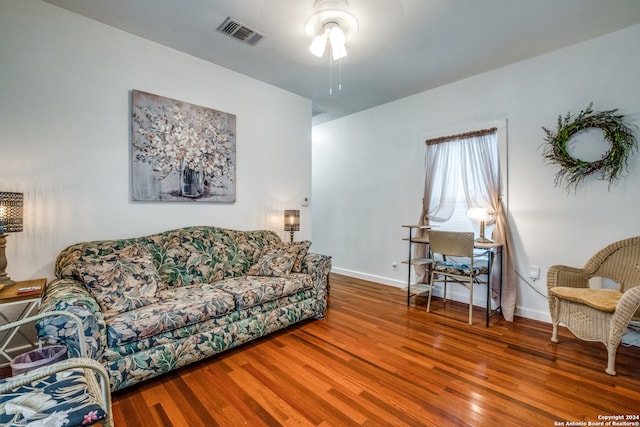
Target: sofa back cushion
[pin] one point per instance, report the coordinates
(195, 255)
(183, 256)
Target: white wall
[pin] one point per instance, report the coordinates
(65, 85)
(368, 168)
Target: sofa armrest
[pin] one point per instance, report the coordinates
(318, 266)
(72, 296)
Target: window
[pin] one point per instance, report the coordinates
(459, 220)
(462, 172)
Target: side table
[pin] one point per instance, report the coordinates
(9, 296)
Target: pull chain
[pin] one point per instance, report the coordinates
(330, 75)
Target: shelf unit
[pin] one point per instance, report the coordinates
(413, 261)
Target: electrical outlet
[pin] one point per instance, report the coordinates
(534, 272)
(305, 202)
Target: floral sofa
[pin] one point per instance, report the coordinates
(153, 304)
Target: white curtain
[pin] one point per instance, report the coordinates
(474, 158)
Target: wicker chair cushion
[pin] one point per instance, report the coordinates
(64, 398)
(601, 299)
(460, 268)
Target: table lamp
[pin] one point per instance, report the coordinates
(482, 215)
(291, 221)
(10, 222)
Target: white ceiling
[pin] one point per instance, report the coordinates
(402, 47)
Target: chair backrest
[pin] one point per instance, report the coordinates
(451, 243)
(619, 261)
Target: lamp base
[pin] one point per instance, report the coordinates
(4, 279)
(483, 239)
(7, 282)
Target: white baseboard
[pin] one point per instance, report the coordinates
(370, 277)
(453, 292)
(534, 314)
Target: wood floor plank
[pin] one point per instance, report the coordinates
(373, 361)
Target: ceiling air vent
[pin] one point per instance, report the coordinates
(240, 31)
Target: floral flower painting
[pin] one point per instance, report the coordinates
(181, 151)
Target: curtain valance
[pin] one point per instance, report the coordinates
(466, 135)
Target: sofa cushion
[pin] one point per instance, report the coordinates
(124, 281)
(303, 248)
(174, 309)
(275, 261)
(249, 291)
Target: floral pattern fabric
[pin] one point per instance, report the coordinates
(303, 249)
(177, 308)
(72, 296)
(206, 301)
(275, 261)
(460, 268)
(59, 400)
(253, 290)
(125, 281)
(183, 256)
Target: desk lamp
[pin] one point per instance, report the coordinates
(482, 215)
(291, 221)
(10, 222)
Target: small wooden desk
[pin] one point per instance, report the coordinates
(9, 297)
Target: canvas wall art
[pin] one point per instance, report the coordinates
(181, 152)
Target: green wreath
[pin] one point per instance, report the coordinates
(616, 131)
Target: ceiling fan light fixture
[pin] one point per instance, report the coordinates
(337, 40)
(338, 52)
(330, 21)
(331, 24)
(318, 45)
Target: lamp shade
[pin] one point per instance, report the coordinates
(11, 212)
(337, 39)
(480, 214)
(291, 220)
(318, 45)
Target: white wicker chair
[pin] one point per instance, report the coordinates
(94, 375)
(598, 314)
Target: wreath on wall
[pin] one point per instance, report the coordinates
(616, 131)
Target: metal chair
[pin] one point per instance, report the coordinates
(598, 314)
(448, 244)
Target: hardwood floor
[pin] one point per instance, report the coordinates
(375, 361)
